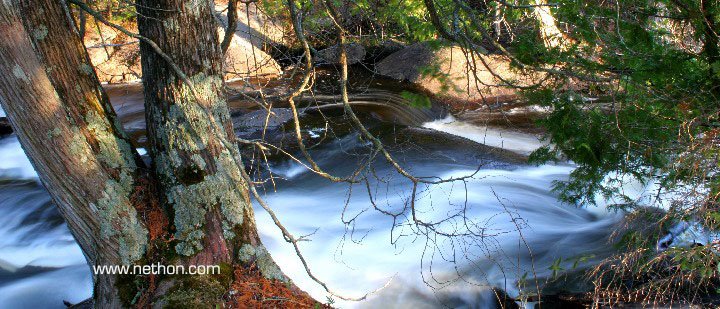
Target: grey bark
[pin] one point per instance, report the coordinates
(191, 137)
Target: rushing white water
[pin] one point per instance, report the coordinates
(40, 263)
(362, 257)
(14, 164)
(525, 230)
(48, 289)
(519, 142)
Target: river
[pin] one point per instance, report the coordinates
(515, 229)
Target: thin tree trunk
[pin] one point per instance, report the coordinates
(711, 47)
(497, 22)
(231, 25)
(549, 32)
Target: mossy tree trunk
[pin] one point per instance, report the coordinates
(66, 125)
(191, 137)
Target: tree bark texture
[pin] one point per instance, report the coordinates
(191, 137)
(107, 195)
(67, 127)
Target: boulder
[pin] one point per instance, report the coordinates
(116, 57)
(249, 124)
(331, 55)
(446, 72)
(259, 29)
(254, 32)
(376, 53)
(392, 45)
(244, 59)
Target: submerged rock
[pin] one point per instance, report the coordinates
(5, 128)
(433, 144)
(251, 125)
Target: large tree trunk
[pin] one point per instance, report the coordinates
(191, 136)
(68, 129)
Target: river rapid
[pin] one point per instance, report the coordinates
(511, 227)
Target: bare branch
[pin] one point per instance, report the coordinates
(152, 44)
(231, 26)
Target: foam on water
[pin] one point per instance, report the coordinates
(289, 170)
(48, 289)
(14, 164)
(357, 257)
(519, 142)
(40, 263)
(433, 271)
